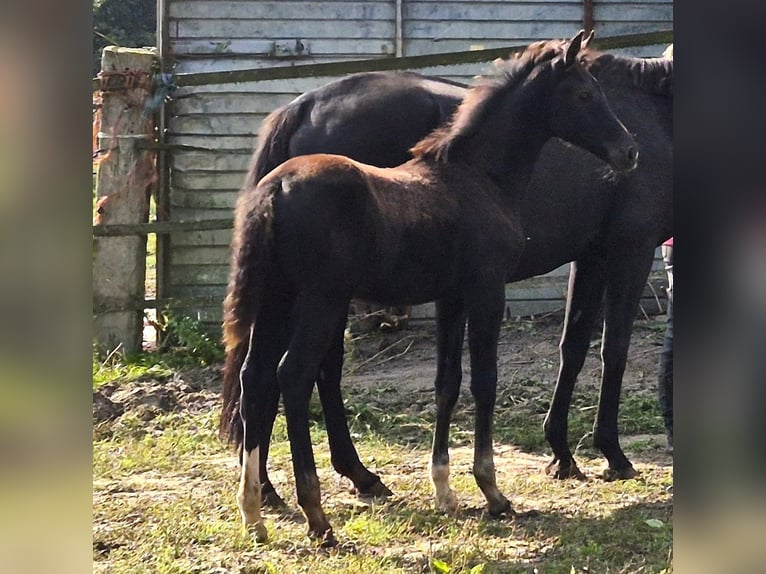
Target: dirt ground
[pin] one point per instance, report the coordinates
(401, 363)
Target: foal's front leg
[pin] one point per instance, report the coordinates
(450, 331)
(484, 319)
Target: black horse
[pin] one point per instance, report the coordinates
(445, 226)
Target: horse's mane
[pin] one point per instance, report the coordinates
(652, 75)
(483, 96)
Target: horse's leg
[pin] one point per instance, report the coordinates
(344, 457)
(450, 331)
(317, 321)
(585, 293)
(484, 317)
(276, 339)
(258, 384)
(626, 280)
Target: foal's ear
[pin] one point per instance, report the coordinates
(588, 39)
(574, 47)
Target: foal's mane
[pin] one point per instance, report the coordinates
(652, 75)
(483, 96)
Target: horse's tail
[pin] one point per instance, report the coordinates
(252, 262)
(274, 139)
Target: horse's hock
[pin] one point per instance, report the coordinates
(125, 171)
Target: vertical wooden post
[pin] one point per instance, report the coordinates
(124, 174)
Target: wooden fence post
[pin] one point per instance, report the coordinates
(125, 171)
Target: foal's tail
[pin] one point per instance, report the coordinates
(274, 139)
(251, 265)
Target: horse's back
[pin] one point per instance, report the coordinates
(373, 117)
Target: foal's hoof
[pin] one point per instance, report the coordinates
(560, 471)
(375, 490)
(326, 539)
(272, 500)
(258, 532)
(501, 509)
(611, 474)
(446, 502)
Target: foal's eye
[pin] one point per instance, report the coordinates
(585, 95)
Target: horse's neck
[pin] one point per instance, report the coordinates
(508, 144)
(649, 75)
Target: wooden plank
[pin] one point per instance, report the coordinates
(216, 255)
(475, 31)
(213, 142)
(260, 49)
(624, 28)
(658, 13)
(198, 274)
(181, 213)
(459, 12)
(207, 182)
(295, 10)
(203, 200)
(188, 292)
(207, 238)
(303, 29)
(423, 46)
(232, 63)
(160, 227)
(211, 161)
(285, 86)
(230, 124)
(229, 103)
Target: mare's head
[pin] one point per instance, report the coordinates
(579, 112)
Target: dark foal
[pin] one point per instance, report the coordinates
(321, 229)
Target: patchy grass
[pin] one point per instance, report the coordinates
(164, 487)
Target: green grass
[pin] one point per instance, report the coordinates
(164, 490)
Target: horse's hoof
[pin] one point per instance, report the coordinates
(375, 490)
(272, 500)
(502, 509)
(560, 471)
(326, 538)
(612, 474)
(258, 532)
(447, 503)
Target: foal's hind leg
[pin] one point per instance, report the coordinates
(626, 281)
(484, 319)
(249, 492)
(586, 290)
(344, 457)
(317, 321)
(275, 344)
(450, 331)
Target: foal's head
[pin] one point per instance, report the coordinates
(548, 81)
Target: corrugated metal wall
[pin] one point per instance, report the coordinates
(215, 35)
